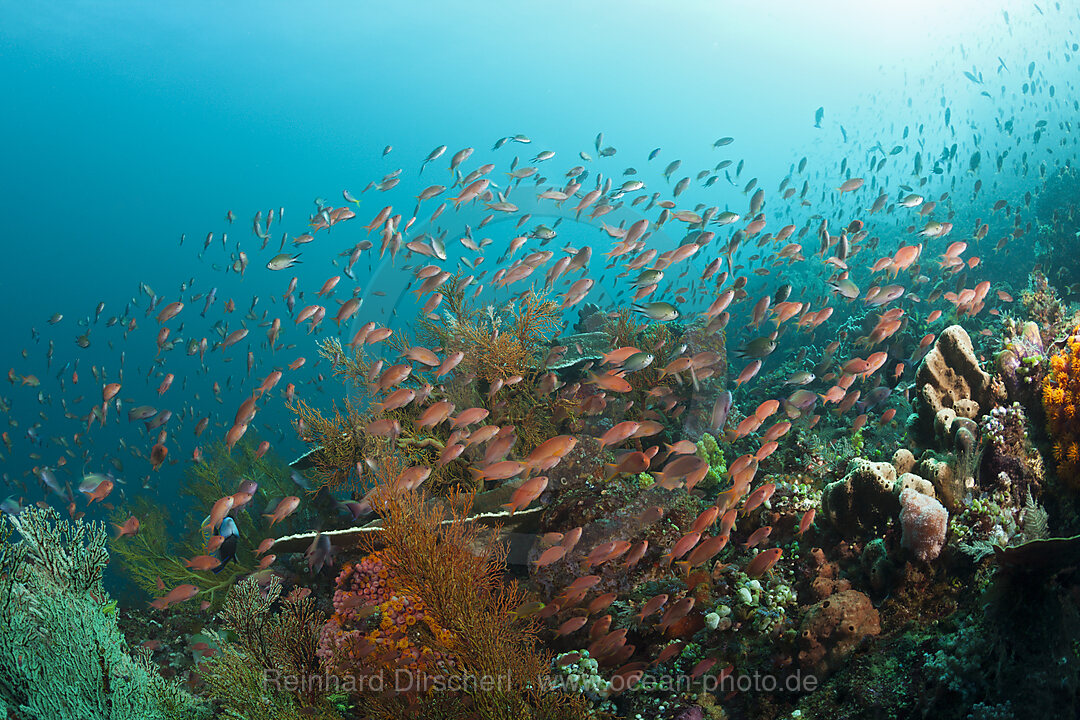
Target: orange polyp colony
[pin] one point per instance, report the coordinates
(1060, 392)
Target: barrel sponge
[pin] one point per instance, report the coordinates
(950, 378)
(863, 500)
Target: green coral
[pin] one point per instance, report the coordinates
(580, 675)
(957, 663)
(154, 554)
(857, 441)
(62, 656)
(766, 603)
(708, 449)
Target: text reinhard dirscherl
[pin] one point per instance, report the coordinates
(413, 681)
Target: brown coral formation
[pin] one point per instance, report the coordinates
(825, 577)
(944, 478)
(832, 628)
(950, 384)
(863, 500)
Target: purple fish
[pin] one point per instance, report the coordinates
(320, 553)
(161, 418)
(874, 398)
(720, 411)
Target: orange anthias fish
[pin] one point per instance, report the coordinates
(763, 561)
(179, 594)
(130, 527)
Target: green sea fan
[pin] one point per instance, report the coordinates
(62, 656)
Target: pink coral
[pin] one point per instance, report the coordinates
(924, 521)
(377, 623)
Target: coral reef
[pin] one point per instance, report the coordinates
(709, 450)
(339, 442)
(1021, 364)
(864, 501)
(1009, 460)
(456, 573)
(1042, 305)
(497, 343)
(155, 555)
(379, 627)
(270, 669)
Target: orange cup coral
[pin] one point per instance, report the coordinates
(1061, 399)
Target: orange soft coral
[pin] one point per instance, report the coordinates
(1060, 394)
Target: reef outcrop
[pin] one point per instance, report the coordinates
(950, 384)
(867, 498)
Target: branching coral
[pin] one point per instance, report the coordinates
(457, 575)
(497, 344)
(625, 328)
(220, 474)
(339, 439)
(154, 554)
(272, 669)
(352, 367)
(1061, 400)
(535, 319)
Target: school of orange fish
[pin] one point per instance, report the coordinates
(869, 240)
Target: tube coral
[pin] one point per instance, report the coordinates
(1061, 399)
